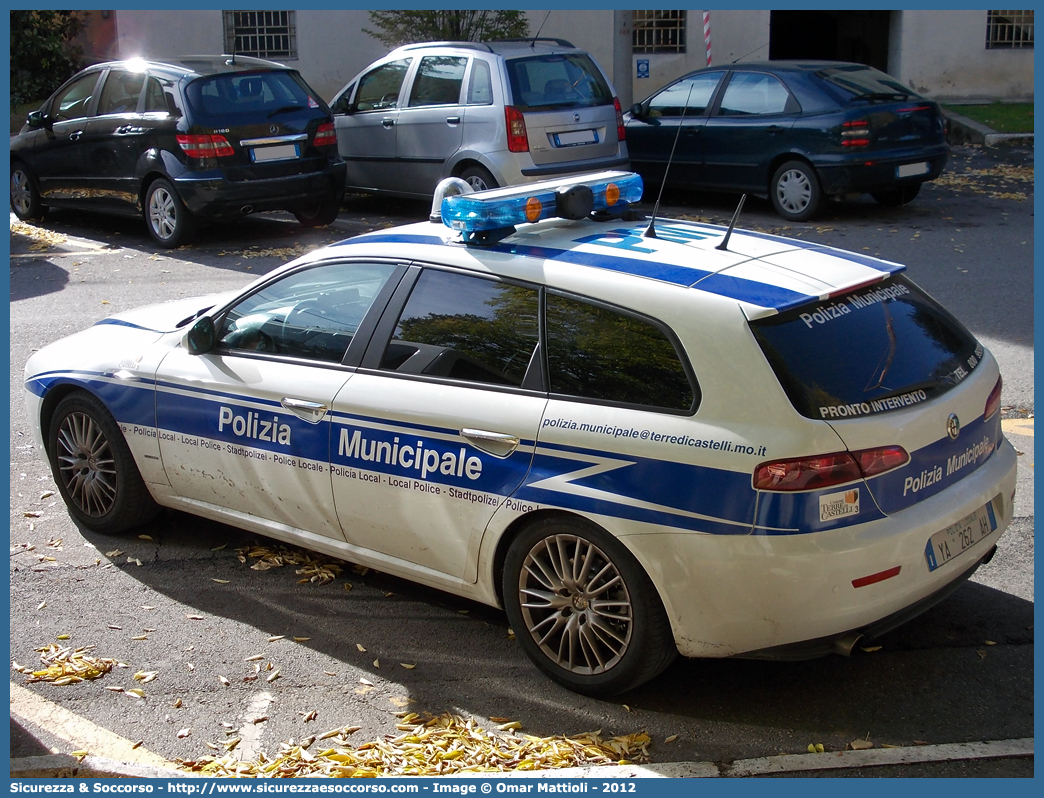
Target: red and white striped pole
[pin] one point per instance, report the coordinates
(706, 35)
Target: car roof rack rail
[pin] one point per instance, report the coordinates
(466, 45)
(559, 42)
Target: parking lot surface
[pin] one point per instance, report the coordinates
(186, 599)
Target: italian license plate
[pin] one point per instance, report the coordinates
(283, 152)
(911, 169)
(576, 137)
(947, 543)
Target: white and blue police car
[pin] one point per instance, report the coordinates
(637, 441)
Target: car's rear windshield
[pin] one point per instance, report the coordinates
(878, 348)
(249, 94)
(550, 82)
(862, 82)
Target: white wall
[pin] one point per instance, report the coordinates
(943, 54)
(162, 34)
(939, 53)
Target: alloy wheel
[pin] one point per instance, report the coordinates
(21, 193)
(86, 464)
(575, 604)
(163, 213)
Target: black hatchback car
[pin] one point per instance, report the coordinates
(203, 137)
(797, 132)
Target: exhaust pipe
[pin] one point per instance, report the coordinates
(846, 643)
(246, 209)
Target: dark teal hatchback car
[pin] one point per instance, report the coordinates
(797, 132)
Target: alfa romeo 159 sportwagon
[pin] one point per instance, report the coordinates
(638, 439)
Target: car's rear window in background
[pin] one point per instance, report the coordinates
(248, 94)
(860, 81)
(549, 82)
(875, 349)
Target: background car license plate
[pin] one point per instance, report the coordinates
(911, 169)
(280, 153)
(947, 543)
(575, 137)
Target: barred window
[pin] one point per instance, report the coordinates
(264, 34)
(1008, 29)
(658, 31)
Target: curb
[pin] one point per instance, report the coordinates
(962, 130)
(65, 766)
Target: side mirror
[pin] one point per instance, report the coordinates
(35, 119)
(637, 110)
(200, 337)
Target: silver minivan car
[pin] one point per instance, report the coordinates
(493, 113)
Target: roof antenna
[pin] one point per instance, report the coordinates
(650, 231)
(724, 245)
(532, 44)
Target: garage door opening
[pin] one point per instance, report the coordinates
(860, 36)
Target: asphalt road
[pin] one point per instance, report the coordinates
(961, 672)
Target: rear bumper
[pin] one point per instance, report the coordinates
(573, 167)
(739, 595)
(868, 172)
(216, 196)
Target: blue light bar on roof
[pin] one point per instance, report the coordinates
(506, 207)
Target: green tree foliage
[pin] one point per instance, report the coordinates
(404, 27)
(42, 53)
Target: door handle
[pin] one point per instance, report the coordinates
(75, 135)
(388, 123)
(498, 444)
(773, 130)
(453, 120)
(692, 132)
(124, 130)
(312, 412)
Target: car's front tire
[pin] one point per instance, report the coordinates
(583, 609)
(795, 191)
(93, 467)
(170, 223)
(478, 177)
(25, 196)
(894, 197)
(324, 212)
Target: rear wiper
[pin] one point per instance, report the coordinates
(285, 109)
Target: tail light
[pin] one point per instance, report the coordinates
(205, 146)
(822, 471)
(326, 135)
(621, 133)
(517, 140)
(855, 133)
(993, 402)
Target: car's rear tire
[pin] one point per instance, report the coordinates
(795, 191)
(170, 223)
(894, 197)
(321, 214)
(478, 177)
(25, 196)
(583, 609)
(93, 467)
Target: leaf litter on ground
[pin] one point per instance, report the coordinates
(441, 745)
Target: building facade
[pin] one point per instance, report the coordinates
(949, 55)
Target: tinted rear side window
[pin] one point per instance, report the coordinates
(875, 349)
(864, 82)
(550, 82)
(594, 352)
(466, 328)
(244, 94)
